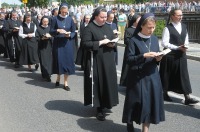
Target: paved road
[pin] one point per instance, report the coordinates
(28, 104)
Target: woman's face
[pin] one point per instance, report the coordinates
(101, 18)
(14, 16)
(177, 17)
(64, 11)
(45, 22)
(148, 28)
(87, 19)
(28, 19)
(110, 18)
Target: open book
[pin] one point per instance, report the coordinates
(67, 32)
(114, 40)
(116, 32)
(16, 28)
(164, 52)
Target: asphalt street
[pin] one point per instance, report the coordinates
(29, 104)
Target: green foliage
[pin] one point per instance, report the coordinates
(125, 1)
(5, 5)
(160, 24)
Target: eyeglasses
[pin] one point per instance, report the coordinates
(178, 15)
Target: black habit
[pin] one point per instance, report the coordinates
(104, 68)
(13, 39)
(45, 51)
(80, 58)
(173, 67)
(127, 36)
(3, 48)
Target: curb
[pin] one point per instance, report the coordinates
(191, 57)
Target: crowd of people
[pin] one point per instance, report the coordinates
(51, 42)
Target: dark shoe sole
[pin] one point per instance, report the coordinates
(191, 101)
(57, 84)
(100, 117)
(66, 88)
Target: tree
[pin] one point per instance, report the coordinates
(4, 5)
(40, 3)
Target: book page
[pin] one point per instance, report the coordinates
(115, 40)
(164, 52)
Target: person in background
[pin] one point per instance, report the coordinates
(114, 11)
(37, 19)
(81, 54)
(109, 21)
(144, 99)
(54, 14)
(63, 31)
(173, 67)
(45, 48)
(3, 44)
(29, 52)
(127, 36)
(11, 28)
(100, 77)
(132, 13)
(75, 38)
(122, 19)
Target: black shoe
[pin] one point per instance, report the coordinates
(191, 101)
(100, 116)
(130, 127)
(36, 66)
(57, 84)
(17, 66)
(48, 79)
(30, 70)
(66, 88)
(167, 98)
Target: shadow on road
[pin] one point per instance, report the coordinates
(94, 125)
(87, 119)
(36, 80)
(71, 107)
(182, 109)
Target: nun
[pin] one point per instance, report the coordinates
(144, 99)
(100, 77)
(45, 48)
(127, 36)
(63, 31)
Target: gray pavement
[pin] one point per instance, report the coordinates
(29, 104)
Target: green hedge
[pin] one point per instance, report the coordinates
(160, 24)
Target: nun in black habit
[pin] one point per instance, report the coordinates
(144, 100)
(45, 48)
(63, 31)
(80, 59)
(3, 45)
(127, 36)
(11, 27)
(100, 77)
(29, 50)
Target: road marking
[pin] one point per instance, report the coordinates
(172, 94)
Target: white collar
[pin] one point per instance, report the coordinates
(97, 23)
(176, 24)
(63, 16)
(108, 22)
(143, 36)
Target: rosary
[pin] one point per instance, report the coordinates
(148, 47)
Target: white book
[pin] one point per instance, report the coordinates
(164, 52)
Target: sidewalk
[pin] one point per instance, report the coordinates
(193, 52)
